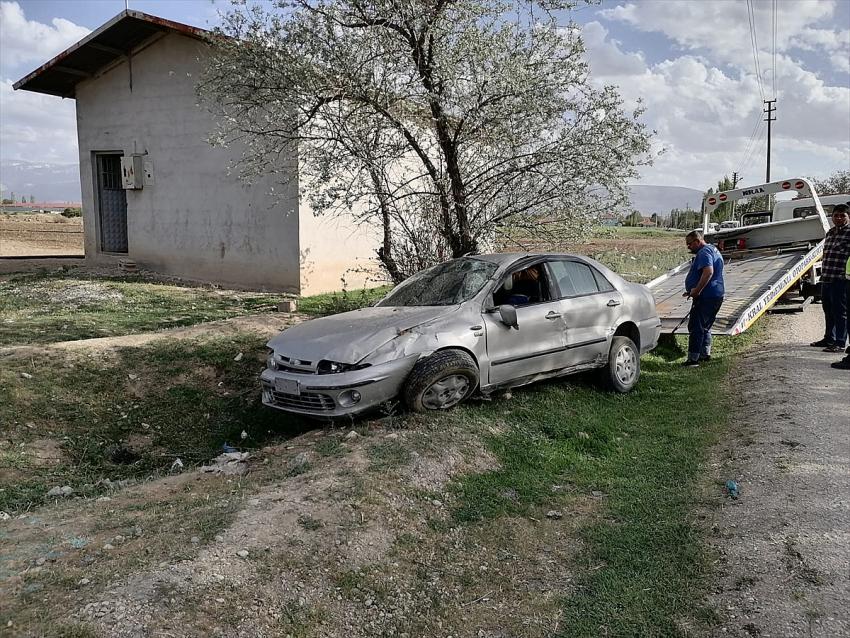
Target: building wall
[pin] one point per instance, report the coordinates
(196, 221)
(333, 249)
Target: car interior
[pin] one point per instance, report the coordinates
(524, 287)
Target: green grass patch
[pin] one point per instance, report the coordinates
(129, 415)
(332, 303)
(642, 454)
(58, 306)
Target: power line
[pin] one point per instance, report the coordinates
(750, 141)
(756, 144)
(774, 47)
(751, 16)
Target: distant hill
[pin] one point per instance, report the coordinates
(46, 182)
(663, 199)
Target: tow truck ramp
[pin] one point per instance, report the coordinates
(754, 282)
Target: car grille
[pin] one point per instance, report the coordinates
(312, 401)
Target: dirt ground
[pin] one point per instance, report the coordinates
(43, 234)
(784, 544)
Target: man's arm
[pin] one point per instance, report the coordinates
(704, 278)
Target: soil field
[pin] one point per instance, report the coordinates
(43, 234)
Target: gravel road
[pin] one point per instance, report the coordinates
(784, 545)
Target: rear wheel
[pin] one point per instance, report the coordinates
(623, 369)
(441, 381)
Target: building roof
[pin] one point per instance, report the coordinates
(117, 39)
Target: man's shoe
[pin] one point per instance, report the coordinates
(705, 357)
(690, 364)
(844, 364)
(833, 349)
(820, 343)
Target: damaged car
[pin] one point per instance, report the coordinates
(478, 323)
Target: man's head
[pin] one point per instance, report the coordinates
(840, 215)
(694, 241)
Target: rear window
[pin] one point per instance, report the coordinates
(575, 279)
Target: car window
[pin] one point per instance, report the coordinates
(523, 287)
(445, 284)
(574, 279)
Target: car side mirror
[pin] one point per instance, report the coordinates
(507, 313)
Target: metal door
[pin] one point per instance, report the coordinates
(590, 306)
(111, 203)
(538, 345)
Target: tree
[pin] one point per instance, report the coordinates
(724, 211)
(452, 125)
(836, 184)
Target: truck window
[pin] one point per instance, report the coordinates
(805, 211)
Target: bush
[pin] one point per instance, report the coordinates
(72, 212)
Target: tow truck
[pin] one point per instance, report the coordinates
(770, 265)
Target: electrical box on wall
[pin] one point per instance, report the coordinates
(131, 171)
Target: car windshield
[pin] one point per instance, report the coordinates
(446, 284)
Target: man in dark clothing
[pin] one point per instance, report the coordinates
(844, 364)
(836, 251)
(704, 285)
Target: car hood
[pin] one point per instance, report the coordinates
(350, 336)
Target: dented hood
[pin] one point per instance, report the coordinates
(350, 336)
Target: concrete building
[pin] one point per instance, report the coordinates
(155, 192)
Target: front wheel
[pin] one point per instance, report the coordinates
(623, 369)
(441, 381)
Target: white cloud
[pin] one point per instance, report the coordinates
(705, 116)
(26, 41)
(33, 126)
(37, 127)
(723, 28)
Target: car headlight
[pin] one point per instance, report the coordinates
(334, 367)
(270, 362)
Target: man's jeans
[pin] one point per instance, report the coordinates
(703, 314)
(834, 298)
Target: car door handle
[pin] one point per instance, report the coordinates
(614, 302)
(553, 315)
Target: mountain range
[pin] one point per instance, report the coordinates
(46, 182)
(61, 183)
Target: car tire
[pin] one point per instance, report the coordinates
(622, 371)
(441, 381)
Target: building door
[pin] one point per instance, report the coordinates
(112, 204)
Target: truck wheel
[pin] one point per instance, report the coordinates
(440, 381)
(623, 369)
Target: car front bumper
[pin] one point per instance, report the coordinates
(332, 395)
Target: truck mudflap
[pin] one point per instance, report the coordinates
(754, 281)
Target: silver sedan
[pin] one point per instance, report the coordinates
(485, 322)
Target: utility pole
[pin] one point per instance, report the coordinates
(735, 179)
(770, 111)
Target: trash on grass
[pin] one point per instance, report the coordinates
(230, 463)
(732, 488)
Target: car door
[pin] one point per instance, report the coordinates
(537, 346)
(590, 307)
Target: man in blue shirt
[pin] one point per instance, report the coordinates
(704, 285)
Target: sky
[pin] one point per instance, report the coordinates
(691, 64)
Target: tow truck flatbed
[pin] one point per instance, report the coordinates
(763, 263)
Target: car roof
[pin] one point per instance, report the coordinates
(506, 258)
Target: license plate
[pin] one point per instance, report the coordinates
(287, 386)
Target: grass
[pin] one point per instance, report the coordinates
(335, 302)
(39, 308)
(44, 307)
(129, 415)
(644, 565)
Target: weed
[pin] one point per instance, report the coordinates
(388, 455)
(330, 446)
(309, 523)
